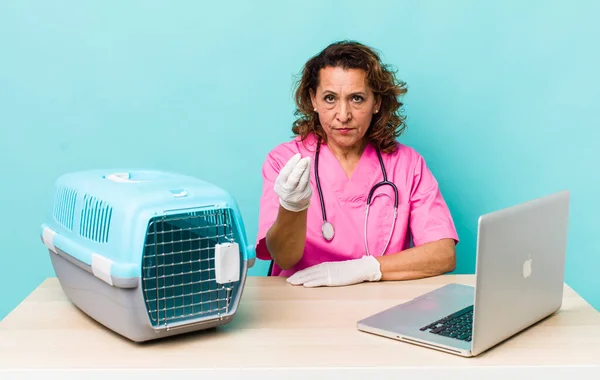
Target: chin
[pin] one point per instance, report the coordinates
(346, 142)
(349, 140)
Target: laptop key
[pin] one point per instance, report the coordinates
(457, 325)
(438, 330)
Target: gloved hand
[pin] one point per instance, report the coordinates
(293, 184)
(338, 273)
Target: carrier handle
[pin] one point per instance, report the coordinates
(124, 177)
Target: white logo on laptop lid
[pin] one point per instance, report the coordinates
(527, 267)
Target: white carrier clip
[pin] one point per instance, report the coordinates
(227, 263)
(101, 268)
(48, 239)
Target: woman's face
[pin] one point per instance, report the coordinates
(345, 104)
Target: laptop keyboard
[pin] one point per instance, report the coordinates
(457, 325)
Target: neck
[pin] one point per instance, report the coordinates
(348, 153)
(348, 156)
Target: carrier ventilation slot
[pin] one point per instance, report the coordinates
(64, 207)
(178, 274)
(95, 219)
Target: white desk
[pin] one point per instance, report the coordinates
(286, 332)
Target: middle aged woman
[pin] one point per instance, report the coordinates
(344, 202)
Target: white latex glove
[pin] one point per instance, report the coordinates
(338, 273)
(293, 184)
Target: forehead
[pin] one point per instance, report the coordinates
(338, 79)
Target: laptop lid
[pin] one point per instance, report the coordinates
(520, 268)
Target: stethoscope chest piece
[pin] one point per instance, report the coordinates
(327, 230)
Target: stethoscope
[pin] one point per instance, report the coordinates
(327, 228)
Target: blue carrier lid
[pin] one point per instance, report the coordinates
(100, 218)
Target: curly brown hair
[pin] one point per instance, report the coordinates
(387, 124)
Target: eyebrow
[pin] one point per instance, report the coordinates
(351, 94)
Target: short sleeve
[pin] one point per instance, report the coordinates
(430, 217)
(269, 200)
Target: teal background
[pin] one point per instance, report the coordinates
(502, 102)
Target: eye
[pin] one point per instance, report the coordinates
(357, 98)
(329, 98)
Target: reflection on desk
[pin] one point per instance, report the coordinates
(280, 330)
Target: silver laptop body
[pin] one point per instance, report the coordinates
(519, 281)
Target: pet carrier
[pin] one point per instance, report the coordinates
(148, 254)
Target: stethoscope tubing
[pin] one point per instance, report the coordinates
(384, 182)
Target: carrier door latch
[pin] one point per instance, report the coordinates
(227, 263)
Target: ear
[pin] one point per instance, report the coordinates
(313, 98)
(377, 105)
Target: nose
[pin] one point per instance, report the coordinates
(343, 114)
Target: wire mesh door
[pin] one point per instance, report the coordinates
(178, 278)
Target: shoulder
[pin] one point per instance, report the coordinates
(407, 165)
(405, 156)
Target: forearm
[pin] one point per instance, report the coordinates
(430, 259)
(286, 238)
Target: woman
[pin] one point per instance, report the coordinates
(313, 222)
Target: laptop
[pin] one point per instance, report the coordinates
(519, 281)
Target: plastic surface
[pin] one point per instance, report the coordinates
(146, 253)
(227, 263)
(107, 212)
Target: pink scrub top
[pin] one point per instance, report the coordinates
(423, 215)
